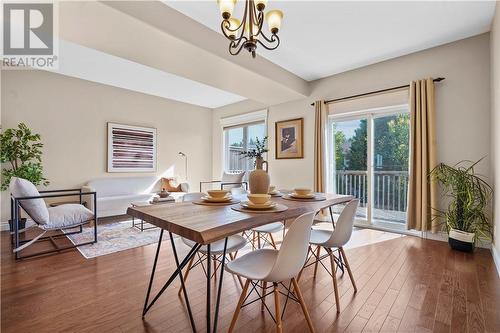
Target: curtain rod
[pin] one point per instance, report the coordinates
(439, 79)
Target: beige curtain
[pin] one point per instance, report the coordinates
(319, 145)
(422, 192)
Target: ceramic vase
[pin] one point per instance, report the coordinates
(258, 179)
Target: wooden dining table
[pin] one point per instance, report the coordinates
(206, 224)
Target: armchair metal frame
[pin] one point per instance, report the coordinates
(222, 184)
(15, 206)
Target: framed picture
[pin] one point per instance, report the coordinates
(290, 138)
(131, 148)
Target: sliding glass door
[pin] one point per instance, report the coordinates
(390, 167)
(369, 160)
(350, 172)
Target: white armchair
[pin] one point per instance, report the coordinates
(66, 216)
(229, 180)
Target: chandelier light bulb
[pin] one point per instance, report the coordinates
(233, 30)
(226, 8)
(274, 18)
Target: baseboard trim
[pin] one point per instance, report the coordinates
(496, 258)
(394, 231)
(439, 236)
(443, 236)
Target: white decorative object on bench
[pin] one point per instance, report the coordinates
(115, 194)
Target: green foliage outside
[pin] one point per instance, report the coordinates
(21, 150)
(391, 143)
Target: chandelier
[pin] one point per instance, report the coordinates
(249, 32)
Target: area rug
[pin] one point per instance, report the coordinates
(113, 237)
(119, 236)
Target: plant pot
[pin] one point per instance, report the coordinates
(22, 224)
(259, 179)
(461, 240)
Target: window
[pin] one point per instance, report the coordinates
(369, 160)
(241, 138)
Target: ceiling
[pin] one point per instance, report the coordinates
(322, 38)
(174, 49)
(96, 66)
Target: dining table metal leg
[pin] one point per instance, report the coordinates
(209, 277)
(190, 313)
(144, 310)
(217, 303)
(172, 277)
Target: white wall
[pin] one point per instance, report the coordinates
(495, 129)
(71, 115)
(462, 101)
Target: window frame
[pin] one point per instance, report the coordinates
(370, 115)
(225, 143)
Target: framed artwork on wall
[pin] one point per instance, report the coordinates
(290, 138)
(131, 148)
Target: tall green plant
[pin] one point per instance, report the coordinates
(469, 198)
(22, 150)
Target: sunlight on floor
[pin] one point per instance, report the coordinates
(361, 237)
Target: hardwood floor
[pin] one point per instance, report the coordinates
(405, 284)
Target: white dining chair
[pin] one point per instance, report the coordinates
(263, 235)
(238, 191)
(331, 242)
(234, 244)
(275, 266)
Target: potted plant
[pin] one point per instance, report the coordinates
(468, 195)
(21, 150)
(258, 179)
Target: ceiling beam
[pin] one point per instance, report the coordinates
(155, 35)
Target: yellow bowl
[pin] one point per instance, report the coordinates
(302, 191)
(217, 193)
(259, 199)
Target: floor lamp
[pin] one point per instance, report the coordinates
(185, 163)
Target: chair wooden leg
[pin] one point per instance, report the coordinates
(346, 264)
(277, 309)
(241, 282)
(264, 285)
(253, 240)
(258, 239)
(318, 252)
(186, 273)
(272, 241)
(303, 305)
(238, 307)
(334, 277)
